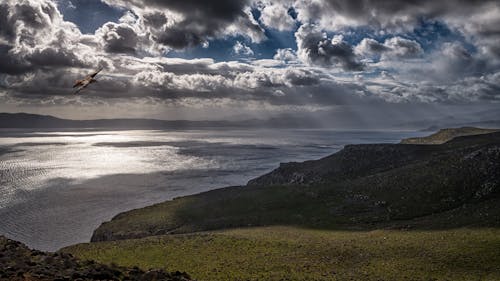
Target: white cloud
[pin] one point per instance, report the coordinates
(242, 49)
(393, 48)
(286, 55)
(275, 15)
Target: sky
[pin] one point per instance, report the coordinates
(342, 62)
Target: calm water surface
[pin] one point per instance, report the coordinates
(56, 187)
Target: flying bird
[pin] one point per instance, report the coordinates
(89, 79)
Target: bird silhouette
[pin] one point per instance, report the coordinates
(83, 83)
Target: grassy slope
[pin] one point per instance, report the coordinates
(19, 263)
(445, 135)
(289, 253)
(330, 235)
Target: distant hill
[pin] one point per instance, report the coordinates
(25, 120)
(445, 135)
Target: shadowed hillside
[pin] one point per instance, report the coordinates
(362, 186)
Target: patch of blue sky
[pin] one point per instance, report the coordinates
(89, 15)
(430, 34)
(222, 49)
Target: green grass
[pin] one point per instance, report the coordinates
(290, 253)
(441, 203)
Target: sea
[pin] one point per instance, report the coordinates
(57, 186)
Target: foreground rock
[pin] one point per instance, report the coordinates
(18, 262)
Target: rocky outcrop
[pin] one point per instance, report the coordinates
(351, 162)
(18, 262)
(357, 161)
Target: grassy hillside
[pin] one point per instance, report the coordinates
(368, 212)
(289, 253)
(445, 135)
(19, 263)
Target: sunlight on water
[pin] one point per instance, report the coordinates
(56, 187)
(79, 156)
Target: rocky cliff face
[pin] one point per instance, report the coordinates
(351, 162)
(357, 161)
(18, 262)
(408, 180)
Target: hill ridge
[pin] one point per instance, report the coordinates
(362, 185)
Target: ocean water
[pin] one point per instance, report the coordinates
(56, 187)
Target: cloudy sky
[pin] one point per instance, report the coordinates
(339, 60)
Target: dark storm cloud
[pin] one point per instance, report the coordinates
(47, 85)
(221, 9)
(191, 32)
(50, 57)
(389, 13)
(7, 30)
(10, 64)
(184, 35)
(200, 21)
(155, 19)
(316, 49)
